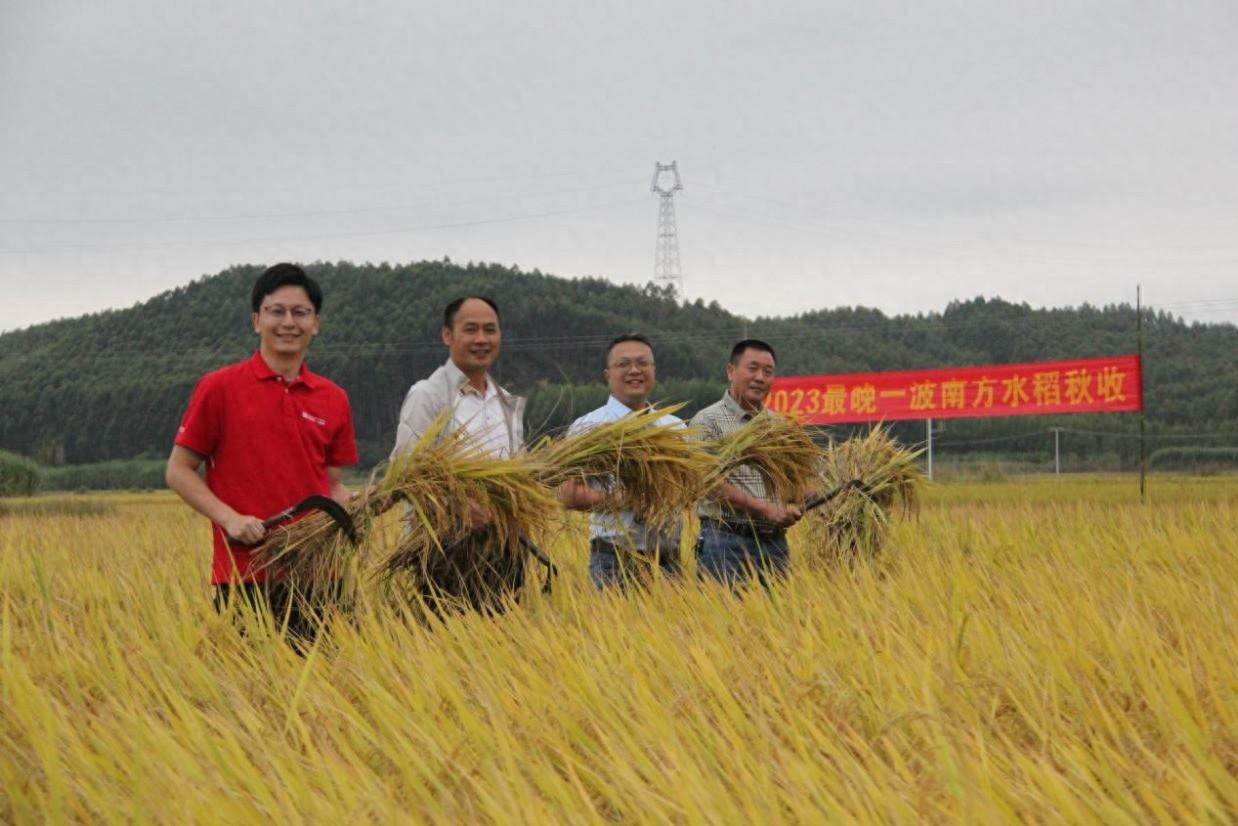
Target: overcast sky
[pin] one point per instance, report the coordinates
(896, 155)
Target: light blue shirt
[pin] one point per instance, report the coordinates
(623, 527)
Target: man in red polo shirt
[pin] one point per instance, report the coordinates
(271, 433)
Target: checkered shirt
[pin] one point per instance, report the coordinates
(720, 418)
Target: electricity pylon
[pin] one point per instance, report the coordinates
(666, 268)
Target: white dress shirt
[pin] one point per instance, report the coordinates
(480, 415)
(622, 527)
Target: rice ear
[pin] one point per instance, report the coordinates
(657, 471)
(856, 524)
(443, 479)
(313, 549)
(780, 449)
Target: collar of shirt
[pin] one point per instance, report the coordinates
(736, 409)
(263, 372)
(462, 384)
(467, 389)
(618, 408)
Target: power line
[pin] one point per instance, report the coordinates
(320, 236)
(1120, 435)
(257, 216)
(993, 440)
(1033, 250)
(1078, 431)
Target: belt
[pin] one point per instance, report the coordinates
(599, 545)
(744, 528)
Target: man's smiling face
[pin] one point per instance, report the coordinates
(750, 377)
(474, 337)
(630, 373)
(286, 322)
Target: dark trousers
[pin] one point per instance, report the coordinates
(611, 564)
(733, 557)
(301, 615)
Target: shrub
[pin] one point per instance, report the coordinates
(134, 474)
(1194, 458)
(19, 476)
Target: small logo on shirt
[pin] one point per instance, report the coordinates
(314, 419)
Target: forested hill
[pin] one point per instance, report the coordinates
(113, 384)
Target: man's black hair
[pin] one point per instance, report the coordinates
(619, 339)
(449, 312)
(285, 275)
(751, 344)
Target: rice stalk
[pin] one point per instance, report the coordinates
(780, 449)
(443, 555)
(314, 549)
(857, 522)
(656, 471)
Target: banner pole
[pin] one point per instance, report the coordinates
(1057, 452)
(928, 430)
(1143, 435)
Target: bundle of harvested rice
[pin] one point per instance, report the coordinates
(856, 523)
(314, 549)
(780, 449)
(445, 554)
(657, 471)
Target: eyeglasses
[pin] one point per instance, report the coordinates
(628, 364)
(298, 313)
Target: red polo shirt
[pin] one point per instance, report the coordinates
(268, 443)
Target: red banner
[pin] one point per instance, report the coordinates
(1097, 385)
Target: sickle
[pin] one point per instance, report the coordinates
(317, 502)
(820, 499)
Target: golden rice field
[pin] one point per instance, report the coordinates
(1029, 650)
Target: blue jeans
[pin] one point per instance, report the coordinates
(734, 558)
(609, 565)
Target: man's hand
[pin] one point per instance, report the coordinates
(784, 516)
(578, 496)
(242, 528)
(479, 517)
(339, 491)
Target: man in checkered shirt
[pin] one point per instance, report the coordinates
(743, 528)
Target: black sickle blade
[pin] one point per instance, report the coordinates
(821, 499)
(318, 502)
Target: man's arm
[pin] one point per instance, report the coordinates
(339, 491)
(577, 496)
(737, 499)
(182, 477)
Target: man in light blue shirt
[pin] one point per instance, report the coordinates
(621, 548)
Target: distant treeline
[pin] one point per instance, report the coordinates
(112, 386)
(20, 476)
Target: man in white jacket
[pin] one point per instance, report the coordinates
(492, 418)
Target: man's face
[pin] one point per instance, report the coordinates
(474, 337)
(750, 377)
(630, 373)
(286, 322)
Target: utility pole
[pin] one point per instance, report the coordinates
(666, 269)
(1143, 419)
